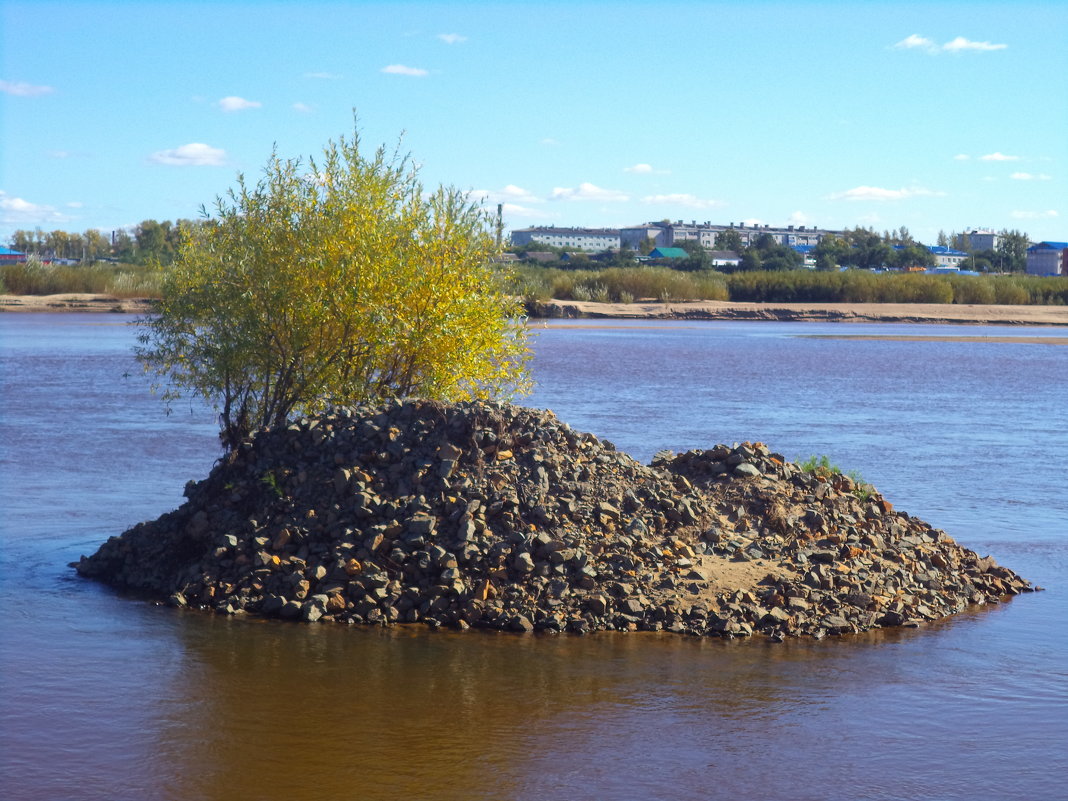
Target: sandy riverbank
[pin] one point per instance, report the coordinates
(813, 312)
(694, 310)
(75, 302)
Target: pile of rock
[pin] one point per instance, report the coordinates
(499, 516)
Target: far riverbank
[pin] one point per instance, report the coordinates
(76, 302)
(938, 313)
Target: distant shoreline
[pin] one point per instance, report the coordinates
(932, 313)
(76, 302)
(943, 313)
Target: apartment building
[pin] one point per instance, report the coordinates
(593, 240)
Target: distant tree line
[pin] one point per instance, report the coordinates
(149, 242)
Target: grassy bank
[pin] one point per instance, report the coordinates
(617, 285)
(118, 280)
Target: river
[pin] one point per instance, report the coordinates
(106, 697)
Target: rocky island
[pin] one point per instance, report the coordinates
(497, 516)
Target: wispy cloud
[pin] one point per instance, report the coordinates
(550, 142)
(401, 69)
(303, 108)
(235, 103)
(879, 193)
(452, 38)
(961, 157)
(998, 157)
(516, 210)
(682, 199)
(1034, 215)
(644, 169)
(588, 191)
(21, 89)
(16, 211)
(1027, 176)
(195, 154)
(916, 42)
(958, 44)
(510, 192)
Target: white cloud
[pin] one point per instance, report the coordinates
(234, 103)
(515, 210)
(961, 157)
(961, 44)
(1034, 215)
(400, 69)
(16, 211)
(753, 221)
(587, 191)
(303, 108)
(548, 140)
(20, 89)
(195, 154)
(916, 42)
(645, 169)
(798, 218)
(323, 76)
(998, 157)
(956, 45)
(879, 193)
(1026, 176)
(74, 204)
(452, 38)
(509, 192)
(680, 199)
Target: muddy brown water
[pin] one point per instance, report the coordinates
(105, 697)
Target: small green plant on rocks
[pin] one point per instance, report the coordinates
(823, 467)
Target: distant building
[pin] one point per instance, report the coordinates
(977, 239)
(9, 256)
(592, 240)
(666, 234)
(947, 257)
(1048, 258)
(725, 258)
(668, 253)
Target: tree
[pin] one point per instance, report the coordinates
(729, 240)
(831, 251)
(867, 250)
(1012, 251)
(697, 256)
(331, 283)
(96, 245)
(154, 242)
(912, 256)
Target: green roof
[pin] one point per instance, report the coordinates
(668, 253)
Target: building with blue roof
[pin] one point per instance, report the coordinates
(9, 256)
(1048, 258)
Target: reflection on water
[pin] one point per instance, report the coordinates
(105, 697)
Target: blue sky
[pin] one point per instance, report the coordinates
(931, 115)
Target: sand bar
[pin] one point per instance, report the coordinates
(813, 312)
(692, 310)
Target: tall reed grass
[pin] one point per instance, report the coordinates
(625, 285)
(619, 285)
(33, 277)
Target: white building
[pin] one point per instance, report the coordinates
(593, 240)
(668, 234)
(978, 239)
